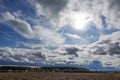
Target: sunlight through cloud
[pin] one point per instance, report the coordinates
(80, 21)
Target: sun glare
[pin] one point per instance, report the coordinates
(80, 21)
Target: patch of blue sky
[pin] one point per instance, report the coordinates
(13, 6)
(92, 34)
(105, 29)
(9, 37)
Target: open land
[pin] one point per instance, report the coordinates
(58, 76)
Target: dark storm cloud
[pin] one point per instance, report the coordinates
(114, 4)
(105, 41)
(38, 56)
(99, 51)
(114, 48)
(72, 51)
(111, 49)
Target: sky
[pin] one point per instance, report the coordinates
(80, 33)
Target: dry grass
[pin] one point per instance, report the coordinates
(59, 76)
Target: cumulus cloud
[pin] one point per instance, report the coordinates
(72, 54)
(14, 54)
(106, 49)
(20, 26)
(107, 44)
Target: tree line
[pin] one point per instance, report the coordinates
(50, 69)
(41, 69)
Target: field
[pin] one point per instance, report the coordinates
(58, 76)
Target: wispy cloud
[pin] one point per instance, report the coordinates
(48, 37)
(59, 12)
(74, 36)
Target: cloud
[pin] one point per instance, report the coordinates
(106, 51)
(14, 54)
(48, 37)
(7, 16)
(72, 51)
(50, 8)
(63, 12)
(114, 48)
(112, 12)
(107, 44)
(20, 26)
(110, 9)
(72, 54)
(74, 36)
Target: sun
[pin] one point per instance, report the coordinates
(80, 21)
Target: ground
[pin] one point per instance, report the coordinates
(58, 76)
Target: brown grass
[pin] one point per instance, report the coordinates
(59, 76)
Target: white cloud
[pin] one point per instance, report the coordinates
(20, 26)
(51, 9)
(112, 12)
(61, 16)
(7, 16)
(74, 36)
(102, 51)
(106, 49)
(22, 55)
(48, 37)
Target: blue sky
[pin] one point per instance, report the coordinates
(61, 32)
